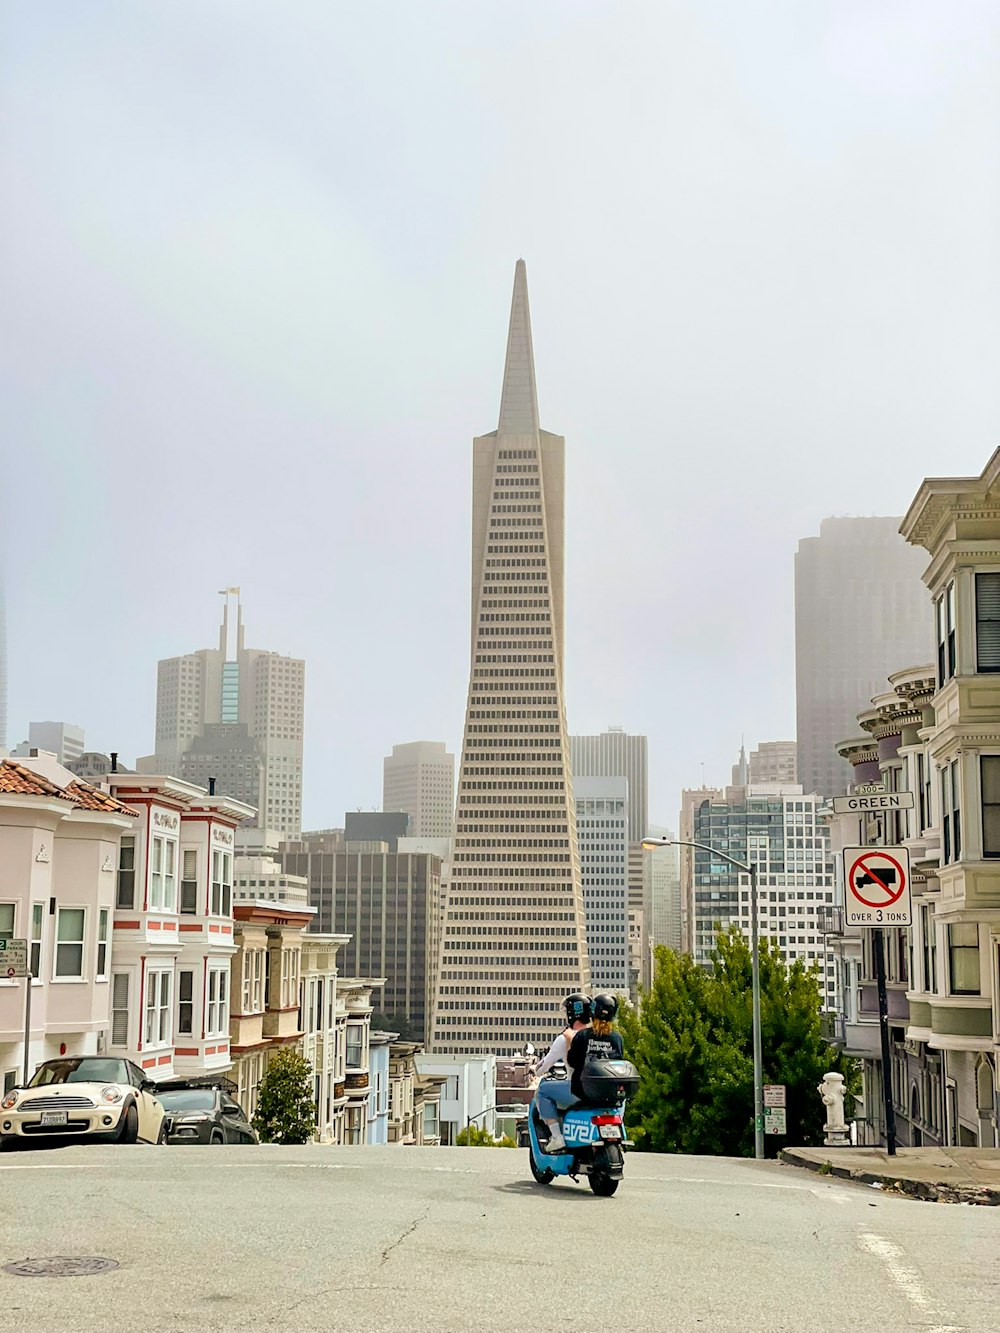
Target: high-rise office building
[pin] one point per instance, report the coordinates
(777, 828)
(664, 875)
(774, 761)
(390, 906)
(239, 711)
(602, 830)
(420, 778)
(514, 939)
(860, 609)
(62, 739)
(386, 826)
(613, 754)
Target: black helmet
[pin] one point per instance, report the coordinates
(577, 1008)
(605, 1007)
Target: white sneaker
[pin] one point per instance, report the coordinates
(556, 1143)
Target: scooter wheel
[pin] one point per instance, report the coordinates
(542, 1177)
(602, 1185)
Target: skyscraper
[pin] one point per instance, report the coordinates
(236, 714)
(420, 779)
(514, 940)
(774, 761)
(602, 829)
(613, 754)
(860, 610)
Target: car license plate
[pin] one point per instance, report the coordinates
(611, 1132)
(53, 1118)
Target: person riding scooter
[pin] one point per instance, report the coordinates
(555, 1093)
(599, 1041)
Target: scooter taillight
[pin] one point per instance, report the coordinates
(605, 1120)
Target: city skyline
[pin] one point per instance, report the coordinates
(289, 411)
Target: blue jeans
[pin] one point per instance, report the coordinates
(554, 1095)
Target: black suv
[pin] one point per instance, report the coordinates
(198, 1111)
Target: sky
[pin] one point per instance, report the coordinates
(255, 274)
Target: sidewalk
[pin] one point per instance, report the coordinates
(942, 1175)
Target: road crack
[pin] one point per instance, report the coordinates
(408, 1231)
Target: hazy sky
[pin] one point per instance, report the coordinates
(257, 262)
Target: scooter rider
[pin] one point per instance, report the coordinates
(599, 1041)
(555, 1094)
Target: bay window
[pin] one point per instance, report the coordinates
(185, 1003)
(945, 607)
(158, 987)
(102, 945)
(963, 958)
(988, 622)
(126, 873)
(951, 822)
(35, 960)
(70, 927)
(217, 1018)
(189, 882)
(222, 883)
(989, 773)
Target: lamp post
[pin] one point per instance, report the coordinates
(650, 844)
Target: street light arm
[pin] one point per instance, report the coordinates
(650, 843)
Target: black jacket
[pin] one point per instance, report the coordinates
(585, 1046)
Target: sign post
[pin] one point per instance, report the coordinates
(877, 894)
(775, 1115)
(14, 964)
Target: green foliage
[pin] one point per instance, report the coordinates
(286, 1112)
(406, 1028)
(691, 1038)
(478, 1136)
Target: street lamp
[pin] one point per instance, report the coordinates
(651, 844)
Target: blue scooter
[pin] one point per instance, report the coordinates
(595, 1136)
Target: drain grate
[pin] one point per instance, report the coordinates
(81, 1266)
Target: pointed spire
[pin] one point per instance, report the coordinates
(519, 401)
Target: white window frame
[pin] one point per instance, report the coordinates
(13, 916)
(170, 875)
(189, 1002)
(128, 844)
(156, 874)
(216, 1008)
(35, 942)
(80, 944)
(103, 952)
(187, 879)
(157, 1027)
(221, 902)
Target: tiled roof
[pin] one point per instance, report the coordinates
(17, 780)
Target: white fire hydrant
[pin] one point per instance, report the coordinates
(832, 1092)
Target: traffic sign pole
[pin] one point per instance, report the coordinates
(27, 1023)
(878, 952)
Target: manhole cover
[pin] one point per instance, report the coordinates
(85, 1266)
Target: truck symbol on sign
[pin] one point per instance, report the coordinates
(886, 876)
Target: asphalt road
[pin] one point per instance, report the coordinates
(439, 1239)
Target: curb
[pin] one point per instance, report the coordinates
(924, 1190)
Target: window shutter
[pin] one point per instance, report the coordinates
(988, 622)
(119, 1010)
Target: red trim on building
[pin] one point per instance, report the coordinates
(190, 925)
(154, 925)
(126, 925)
(164, 1059)
(214, 929)
(148, 1064)
(185, 1050)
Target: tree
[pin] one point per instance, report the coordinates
(691, 1038)
(405, 1028)
(286, 1112)
(478, 1136)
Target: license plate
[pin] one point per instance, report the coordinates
(611, 1132)
(54, 1118)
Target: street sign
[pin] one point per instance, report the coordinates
(869, 788)
(877, 886)
(774, 1094)
(859, 803)
(775, 1120)
(863, 800)
(13, 959)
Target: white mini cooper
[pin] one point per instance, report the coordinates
(79, 1096)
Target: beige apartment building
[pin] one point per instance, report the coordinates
(514, 938)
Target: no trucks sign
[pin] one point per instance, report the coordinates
(877, 886)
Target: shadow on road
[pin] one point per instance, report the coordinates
(554, 1191)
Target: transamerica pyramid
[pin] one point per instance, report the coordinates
(513, 937)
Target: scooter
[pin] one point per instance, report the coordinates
(594, 1135)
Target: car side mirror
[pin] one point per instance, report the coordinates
(147, 1085)
(231, 1110)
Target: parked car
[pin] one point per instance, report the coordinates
(204, 1112)
(83, 1096)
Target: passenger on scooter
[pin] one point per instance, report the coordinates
(554, 1094)
(600, 1041)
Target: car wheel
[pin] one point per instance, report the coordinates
(128, 1129)
(8, 1143)
(161, 1138)
(216, 1138)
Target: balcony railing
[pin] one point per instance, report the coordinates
(833, 1027)
(830, 920)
